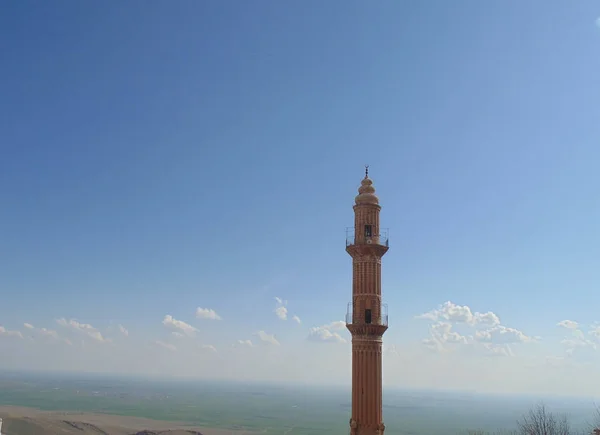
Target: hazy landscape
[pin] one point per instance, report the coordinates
(268, 409)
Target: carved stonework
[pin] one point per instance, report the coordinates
(362, 348)
(367, 332)
(365, 257)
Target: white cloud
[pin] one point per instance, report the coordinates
(577, 333)
(568, 324)
(443, 338)
(502, 335)
(124, 331)
(488, 319)
(267, 338)
(595, 332)
(296, 319)
(5, 332)
(491, 341)
(442, 333)
(207, 313)
(433, 344)
(577, 340)
(281, 312)
(44, 332)
(453, 313)
(466, 353)
(85, 328)
(492, 350)
(49, 333)
(168, 346)
(179, 325)
(280, 309)
(328, 332)
(572, 343)
(338, 325)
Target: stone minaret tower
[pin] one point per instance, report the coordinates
(367, 316)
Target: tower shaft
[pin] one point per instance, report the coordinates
(367, 315)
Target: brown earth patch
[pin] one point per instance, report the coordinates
(27, 421)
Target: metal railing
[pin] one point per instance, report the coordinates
(378, 315)
(381, 239)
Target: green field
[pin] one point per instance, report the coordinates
(267, 408)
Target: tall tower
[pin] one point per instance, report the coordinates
(366, 318)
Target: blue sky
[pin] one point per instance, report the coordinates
(160, 157)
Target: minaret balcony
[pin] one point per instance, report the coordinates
(354, 238)
(377, 315)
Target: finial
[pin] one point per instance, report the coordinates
(366, 171)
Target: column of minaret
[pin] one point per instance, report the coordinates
(366, 323)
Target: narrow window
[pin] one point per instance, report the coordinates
(368, 230)
(367, 316)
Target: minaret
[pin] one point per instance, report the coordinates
(367, 317)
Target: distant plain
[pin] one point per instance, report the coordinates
(273, 409)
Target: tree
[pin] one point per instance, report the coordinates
(538, 421)
(595, 426)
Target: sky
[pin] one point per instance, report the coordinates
(176, 179)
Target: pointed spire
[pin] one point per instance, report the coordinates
(366, 171)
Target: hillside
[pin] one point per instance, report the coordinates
(25, 421)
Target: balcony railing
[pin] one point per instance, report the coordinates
(381, 239)
(378, 315)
